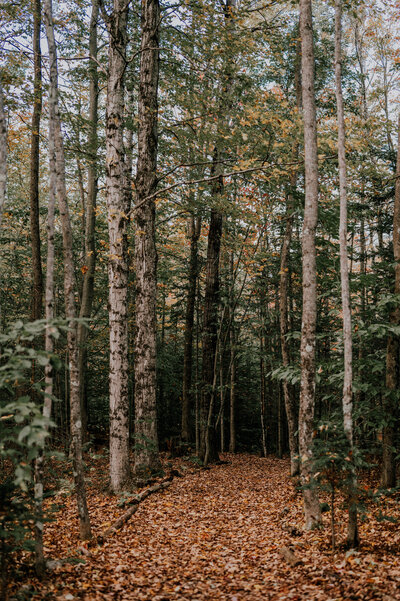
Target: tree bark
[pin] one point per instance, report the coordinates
(40, 563)
(146, 438)
(309, 315)
(187, 397)
(352, 532)
(90, 220)
(3, 153)
(37, 296)
(288, 392)
(69, 279)
(117, 212)
(392, 350)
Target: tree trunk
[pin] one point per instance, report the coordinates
(232, 393)
(90, 221)
(210, 329)
(309, 315)
(118, 260)
(352, 532)
(3, 153)
(69, 280)
(146, 439)
(288, 392)
(392, 351)
(193, 234)
(36, 312)
(49, 348)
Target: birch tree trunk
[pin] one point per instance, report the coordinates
(69, 279)
(36, 312)
(392, 350)
(352, 532)
(309, 315)
(117, 212)
(146, 438)
(90, 220)
(3, 153)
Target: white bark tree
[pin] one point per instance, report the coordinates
(117, 210)
(69, 276)
(309, 315)
(146, 439)
(352, 534)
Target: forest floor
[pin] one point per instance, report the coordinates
(216, 534)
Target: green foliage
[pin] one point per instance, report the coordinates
(23, 429)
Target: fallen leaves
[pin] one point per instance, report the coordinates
(218, 535)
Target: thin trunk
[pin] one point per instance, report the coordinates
(90, 220)
(309, 314)
(49, 348)
(352, 532)
(69, 280)
(288, 392)
(37, 296)
(392, 351)
(118, 259)
(193, 235)
(3, 153)
(146, 439)
(232, 393)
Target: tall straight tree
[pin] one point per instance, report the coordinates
(288, 392)
(146, 438)
(37, 297)
(69, 276)
(392, 349)
(90, 218)
(117, 214)
(352, 533)
(208, 451)
(309, 316)
(3, 152)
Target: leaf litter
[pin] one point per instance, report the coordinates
(218, 534)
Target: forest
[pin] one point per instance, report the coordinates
(199, 300)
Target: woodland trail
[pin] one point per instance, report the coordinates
(217, 534)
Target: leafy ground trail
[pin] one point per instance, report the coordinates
(217, 534)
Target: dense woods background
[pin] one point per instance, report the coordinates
(160, 173)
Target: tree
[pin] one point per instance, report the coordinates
(117, 215)
(146, 439)
(307, 349)
(69, 278)
(352, 535)
(392, 349)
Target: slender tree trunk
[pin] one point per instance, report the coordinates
(392, 351)
(232, 392)
(118, 260)
(3, 153)
(193, 234)
(90, 221)
(34, 167)
(309, 315)
(288, 392)
(146, 438)
(69, 280)
(49, 348)
(352, 532)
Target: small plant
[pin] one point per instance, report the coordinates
(334, 465)
(23, 434)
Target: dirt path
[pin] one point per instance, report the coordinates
(217, 534)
